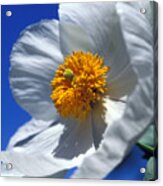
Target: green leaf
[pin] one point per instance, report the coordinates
(148, 140)
(150, 173)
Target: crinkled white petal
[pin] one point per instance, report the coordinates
(100, 22)
(27, 131)
(39, 165)
(63, 145)
(65, 139)
(34, 59)
(44, 141)
(138, 113)
(103, 115)
(73, 38)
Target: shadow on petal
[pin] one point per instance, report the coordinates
(75, 140)
(98, 122)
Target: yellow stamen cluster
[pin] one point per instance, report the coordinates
(78, 83)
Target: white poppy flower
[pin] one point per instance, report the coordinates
(92, 70)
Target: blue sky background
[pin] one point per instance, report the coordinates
(12, 114)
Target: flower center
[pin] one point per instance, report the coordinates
(78, 84)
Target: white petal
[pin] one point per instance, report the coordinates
(103, 115)
(34, 166)
(72, 38)
(27, 131)
(40, 165)
(62, 145)
(139, 112)
(65, 140)
(44, 141)
(123, 84)
(100, 22)
(34, 59)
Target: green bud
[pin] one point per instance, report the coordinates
(68, 74)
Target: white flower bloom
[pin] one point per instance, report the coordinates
(49, 144)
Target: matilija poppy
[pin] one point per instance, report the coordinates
(87, 81)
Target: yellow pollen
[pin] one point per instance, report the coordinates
(79, 83)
